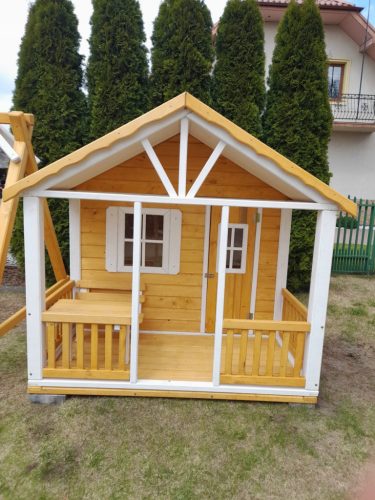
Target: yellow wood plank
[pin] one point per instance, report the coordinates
(263, 380)
(270, 353)
(66, 345)
(285, 336)
(51, 345)
(86, 374)
(229, 352)
(94, 347)
(256, 353)
(299, 354)
(243, 352)
(108, 347)
(79, 333)
(294, 303)
(249, 324)
(121, 348)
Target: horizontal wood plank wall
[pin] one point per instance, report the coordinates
(172, 301)
(269, 244)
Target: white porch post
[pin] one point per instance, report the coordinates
(220, 295)
(282, 261)
(135, 292)
(318, 298)
(35, 284)
(75, 239)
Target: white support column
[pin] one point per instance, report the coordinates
(254, 283)
(220, 295)
(75, 239)
(206, 251)
(318, 298)
(35, 284)
(282, 261)
(182, 167)
(135, 292)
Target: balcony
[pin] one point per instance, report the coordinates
(354, 112)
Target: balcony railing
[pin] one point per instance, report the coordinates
(354, 108)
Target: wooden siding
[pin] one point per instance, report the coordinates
(173, 302)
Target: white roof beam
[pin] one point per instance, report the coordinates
(159, 168)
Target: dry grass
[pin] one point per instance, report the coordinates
(138, 448)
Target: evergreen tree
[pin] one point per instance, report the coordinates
(48, 84)
(182, 53)
(117, 72)
(298, 120)
(238, 82)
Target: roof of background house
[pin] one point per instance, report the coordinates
(323, 4)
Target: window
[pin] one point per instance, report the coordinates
(335, 80)
(160, 240)
(236, 248)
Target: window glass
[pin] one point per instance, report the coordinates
(153, 255)
(154, 227)
(335, 76)
(228, 259)
(229, 242)
(129, 226)
(128, 253)
(237, 256)
(238, 237)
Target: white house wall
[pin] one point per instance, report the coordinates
(351, 154)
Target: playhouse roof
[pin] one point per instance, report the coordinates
(61, 173)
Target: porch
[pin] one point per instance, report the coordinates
(90, 339)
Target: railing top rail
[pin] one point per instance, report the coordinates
(288, 296)
(266, 325)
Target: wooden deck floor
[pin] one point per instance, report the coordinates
(176, 357)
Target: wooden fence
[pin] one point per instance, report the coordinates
(266, 362)
(354, 251)
(294, 310)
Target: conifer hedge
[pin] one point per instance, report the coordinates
(48, 84)
(238, 77)
(298, 119)
(117, 73)
(182, 52)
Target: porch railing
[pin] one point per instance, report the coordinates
(77, 350)
(294, 310)
(268, 363)
(354, 108)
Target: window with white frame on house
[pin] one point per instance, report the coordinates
(335, 79)
(160, 240)
(236, 248)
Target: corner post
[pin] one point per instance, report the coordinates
(75, 239)
(318, 298)
(35, 284)
(135, 292)
(282, 261)
(222, 257)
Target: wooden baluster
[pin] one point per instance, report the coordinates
(51, 345)
(94, 347)
(66, 345)
(108, 347)
(256, 353)
(229, 353)
(299, 352)
(243, 352)
(284, 353)
(121, 348)
(80, 346)
(270, 353)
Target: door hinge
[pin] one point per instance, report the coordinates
(257, 217)
(209, 275)
(250, 315)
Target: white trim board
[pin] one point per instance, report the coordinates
(220, 202)
(254, 283)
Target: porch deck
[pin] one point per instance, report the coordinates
(170, 357)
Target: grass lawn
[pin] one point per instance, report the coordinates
(101, 447)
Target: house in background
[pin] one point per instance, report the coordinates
(3, 167)
(350, 46)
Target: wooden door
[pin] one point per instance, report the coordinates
(237, 286)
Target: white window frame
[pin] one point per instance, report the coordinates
(231, 248)
(171, 242)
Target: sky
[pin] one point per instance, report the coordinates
(13, 15)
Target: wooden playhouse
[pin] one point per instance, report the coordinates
(179, 242)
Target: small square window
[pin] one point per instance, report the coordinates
(236, 248)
